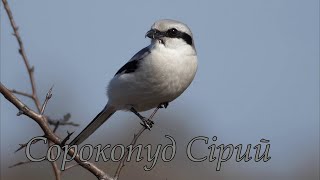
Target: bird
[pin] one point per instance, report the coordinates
(153, 77)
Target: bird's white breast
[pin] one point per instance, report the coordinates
(161, 77)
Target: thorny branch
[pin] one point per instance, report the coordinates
(38, 117)
(49, 134)
(30, 70)
(22, 52)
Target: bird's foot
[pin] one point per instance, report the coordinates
(163, 105)
(147, 123)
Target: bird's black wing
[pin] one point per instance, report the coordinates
(133, 64)
(129, 67)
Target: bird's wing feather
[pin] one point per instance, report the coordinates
(133, 64)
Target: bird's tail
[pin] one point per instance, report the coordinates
(104, 115)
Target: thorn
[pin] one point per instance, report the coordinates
(22, 110)
(20, 163)
(21, 147)
(20, 51)
(56, 126)
(31, 69)
(20, 113)
(25, 144)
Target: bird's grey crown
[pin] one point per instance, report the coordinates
(166, 24)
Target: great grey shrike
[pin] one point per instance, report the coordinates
(155, 76)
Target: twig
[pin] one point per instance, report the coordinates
(44, 105)
(23, 54)
(21, 93)
(133, 142)
(55, 168)
(25, 145)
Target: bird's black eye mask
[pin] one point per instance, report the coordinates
(171, 33)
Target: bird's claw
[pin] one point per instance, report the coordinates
(164, 105)
(147, 123)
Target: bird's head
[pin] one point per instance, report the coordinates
(170, 33)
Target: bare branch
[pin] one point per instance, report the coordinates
(23, 54)
(55, 168)
(30, 70)
(42, 122)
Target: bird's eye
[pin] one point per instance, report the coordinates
(172, 32)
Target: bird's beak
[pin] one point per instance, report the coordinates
(154, 34)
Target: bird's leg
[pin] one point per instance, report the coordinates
(162, 105)
(147, 123)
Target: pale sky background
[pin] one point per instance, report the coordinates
(258, 77)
